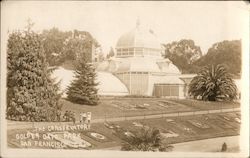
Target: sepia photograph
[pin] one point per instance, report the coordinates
(124, 79)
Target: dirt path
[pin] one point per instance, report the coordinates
(205, 145)
(164, 115)
(23, 125)
(208, 145)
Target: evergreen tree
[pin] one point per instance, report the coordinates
(32, 94)
(83, 89)
(111, 53)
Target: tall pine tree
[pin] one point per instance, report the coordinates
(32, 95)
(83, 89)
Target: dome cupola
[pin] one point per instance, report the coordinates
(138, 42)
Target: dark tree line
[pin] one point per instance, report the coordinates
(183, 54)
(227, 53)
(63, 46)
(189, 59)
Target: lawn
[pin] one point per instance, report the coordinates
(206, 105)
(120, 107)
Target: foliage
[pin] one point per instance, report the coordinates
(83, 89)
(227, 53)
(81, 44)
(145, 139)
(213, 83)
(32, 95)
(183, 54)
(111, 53)
(187, 56)
(63, 46)
(101, 56)
(53, 41)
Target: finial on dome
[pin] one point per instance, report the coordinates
(138, 22)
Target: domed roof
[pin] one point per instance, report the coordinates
(108, 83)
(139, 38)
(167, 66)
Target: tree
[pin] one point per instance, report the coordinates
(80, 44)
(183, 54)
(213, 83)
(63, 46)
(101, 57)
(32, 95)
(83, 89)
(79, 49)
(227, 53)
(111, 53)
(53, 41)
(145, 139)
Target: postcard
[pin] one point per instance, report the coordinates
(124, 79)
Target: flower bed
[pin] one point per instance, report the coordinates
(97, 136)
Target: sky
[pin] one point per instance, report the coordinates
(204, 22)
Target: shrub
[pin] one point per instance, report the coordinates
(69, 116)
(145, 139)
(213, 83)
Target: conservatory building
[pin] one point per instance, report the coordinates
(140, 67)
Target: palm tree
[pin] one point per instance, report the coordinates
(213, 83)
(145, 139)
